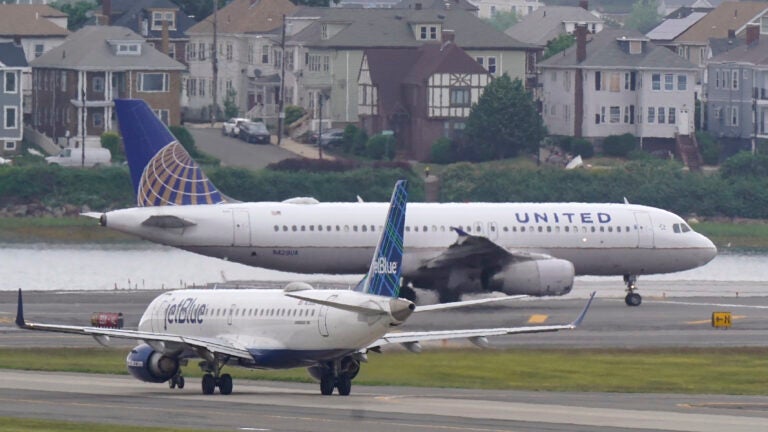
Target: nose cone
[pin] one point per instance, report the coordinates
(707, 250)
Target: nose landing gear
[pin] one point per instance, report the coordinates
(632, 298)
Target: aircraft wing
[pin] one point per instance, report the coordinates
(212, 345)
(474, 334)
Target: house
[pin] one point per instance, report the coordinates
(248, 58)
(13, 65)
(73, 85)
(618, 82)
(489, 8)
(737, 93)
(37, 29)
(146, 17)
(667, 7)
(420, 94)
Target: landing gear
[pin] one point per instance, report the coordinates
(338, 374)
(632, 298)
(177, 381)
(213, 378)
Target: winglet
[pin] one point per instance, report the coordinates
(460, 232)
(20, 312)
(577, 322)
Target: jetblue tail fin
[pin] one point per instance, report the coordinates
(162, 171)
(383, 277)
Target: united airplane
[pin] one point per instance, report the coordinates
(454, 248)
(327, 331)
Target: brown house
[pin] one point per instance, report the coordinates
(74, 84)
(420, 94)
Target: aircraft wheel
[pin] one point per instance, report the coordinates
(448, 296)
(225, 384)
(633, 299)
(180, 382)
(326, 385)
(172, 383)
(209, 384)
(344, 385)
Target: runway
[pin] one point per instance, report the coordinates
(268, 406)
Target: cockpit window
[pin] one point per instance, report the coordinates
(676, 228)
(685, 227)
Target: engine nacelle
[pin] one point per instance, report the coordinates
(544, 277)
(148, 365)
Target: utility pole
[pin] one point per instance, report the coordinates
(320, 127)
(281, 96)
(84, 115)
(215, 64)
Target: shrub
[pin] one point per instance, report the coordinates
(710, 148)
(442, 151)
(350, 134)
(293, 113)
(380, 147)
(745, 164)
(358, 144)
(619, 145)
(111, 141)
(580, 146)
(313, 165)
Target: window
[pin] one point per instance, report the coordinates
(671, 119)
(97, 119)
(192, 52)
(129, 49)
(492, 65)
(460, 97)
(428, 32)
(250, 54)
(201, 87)
(39, 49)
(656, 81)
(735, 80)
(682, 82)
(163, 115)
(323, 31)
(159, 16)
(201, 51)
(567, 81)
(661, 117)
(265, 54)
(9, 145)
(63, 80)
(153, 82)
(97, 84)
(734, 116)
(598, 81)
(191, 87)
(615, 82)
(10, 82)
(651, 114)
(11, 120)
(615, 114)
(480, 61)
(669, 82)
(717, 78)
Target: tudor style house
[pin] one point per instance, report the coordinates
(12, 67)
(420, 94)
(75, 83)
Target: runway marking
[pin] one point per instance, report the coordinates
(722, 305)
(741, 406)
(538, 319)
(709, 321)
(252, 429)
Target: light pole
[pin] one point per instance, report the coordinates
(281, 96)
(320, 127)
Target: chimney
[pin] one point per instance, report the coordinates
(448, 36)
(165, 38)
(581, 42)
(106, 10)
(584, 4)
(753, 33)
(731, 34)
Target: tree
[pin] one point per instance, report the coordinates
(559, 44)
(503, 123)
(230, 106)
(201, 9)
(644, 16)
(77, 12)
(503, 20)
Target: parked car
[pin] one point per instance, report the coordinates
(73, 157)
(254, 132)
(331, 137)
(231, 127)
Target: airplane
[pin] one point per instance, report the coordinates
(454, 248)
(327, 331)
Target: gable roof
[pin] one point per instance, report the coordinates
(437, 5)
(12, 56)
(247, 16)
(546, 23)
(130, 13)
(604, 50)
(30, 20)
(387, 28)
(671, 28)
(727, 16)
(756, 54)
(88, 49)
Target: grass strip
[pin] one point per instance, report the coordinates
(694, 371)
(12, 424)
(751, 234)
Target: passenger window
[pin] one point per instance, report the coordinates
(416, 228)
(311, 227)
(303, 228)
(541, 229)
(610, 229)
(469, 229)
(442, 228)
(592, 229)
(549, 229)
(365, 228)
(505, 229)
(277, 228)
(354, 228)
(618, 229)
(567, 229)
(425, 228)
(285, 228)
(294, 228)
(602, 229)
(319, 227)
(522, 229)
(557, 229)
(434, 228)
(346, 228)
(328, 228)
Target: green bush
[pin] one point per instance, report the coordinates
(111, 141)
(350, 134)
(619, 145)
(580, 146)
(710, 148)
(745, 164)
(442, 151)
(358, 144)
(293, 113)
(380, 147)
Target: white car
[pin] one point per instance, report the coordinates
(4, 161)
(231, 127)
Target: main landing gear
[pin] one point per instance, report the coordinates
(213, 378)
(632, 298)
(337, 374)
(177, 381)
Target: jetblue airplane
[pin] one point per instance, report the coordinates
(454, 248)
(327, 331)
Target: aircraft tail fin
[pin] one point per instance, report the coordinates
(383, 277)
(162, 171)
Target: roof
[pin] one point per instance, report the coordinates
(604, 50)
(756, 54)
(12, 56)
(30, 20)
(388, 28)
(247, 16)
(671, 28)
(88, 48)
(727, 16)
(437, 5)
(546, 23)
(721, 45)
(129, 13)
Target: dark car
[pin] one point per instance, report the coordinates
(254, 132)
(331, 137)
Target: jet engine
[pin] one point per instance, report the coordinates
(544, 277)
(148, 365)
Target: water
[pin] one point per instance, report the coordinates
(147, 266)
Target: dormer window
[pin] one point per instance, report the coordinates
(128, 48)
(324, 31)
(635, 47)
(159, 16)
(428, 32)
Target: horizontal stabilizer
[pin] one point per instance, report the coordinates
(453, 305)
(323, 299)
(167, 221)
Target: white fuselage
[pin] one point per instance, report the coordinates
(599, 239)
(278, 331)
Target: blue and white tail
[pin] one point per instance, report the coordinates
(162, 171)
(383, 277)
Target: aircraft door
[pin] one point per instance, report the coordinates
(322, 318)
(241, 228)
(158, 317)
(231, 314)
(493, 230)
(644, 230)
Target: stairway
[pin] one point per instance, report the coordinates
(688, 150)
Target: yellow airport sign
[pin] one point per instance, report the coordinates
(721, 319)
